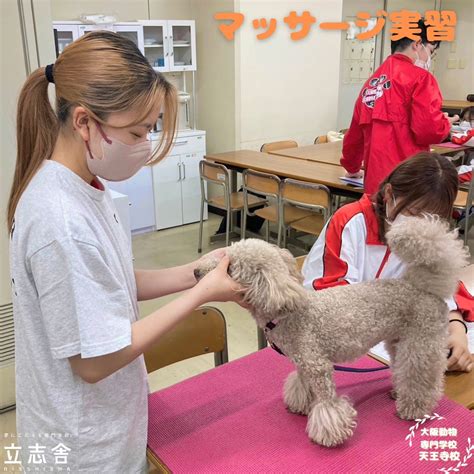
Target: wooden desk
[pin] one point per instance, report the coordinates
(285, 167)
(456, 104)
(461, 199)
(232, 419)
(330, 153)
(442, 150)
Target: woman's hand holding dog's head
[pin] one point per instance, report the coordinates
(217, 285)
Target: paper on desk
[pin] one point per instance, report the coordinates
(449, 145)
(379, 349)
(359, 182)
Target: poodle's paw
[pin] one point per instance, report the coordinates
(297, 394)
(414, 409)
(330, 423)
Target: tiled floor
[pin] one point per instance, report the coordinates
(175, 247)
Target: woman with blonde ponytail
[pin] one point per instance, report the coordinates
(80, 374)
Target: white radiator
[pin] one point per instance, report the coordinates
(7, 358)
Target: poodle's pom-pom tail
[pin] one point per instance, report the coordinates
(433, 254)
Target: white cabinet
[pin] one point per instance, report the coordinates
(156, 44)
(191, 186)
(176, 184)
(182, 42)
(139, 189)
(64, 35)
(167, 178)
(170, 45)
(83, 29)
(122, 205)
(132, 31)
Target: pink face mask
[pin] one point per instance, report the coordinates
(119, 161)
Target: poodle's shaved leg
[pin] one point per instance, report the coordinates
(419, 379)
(331, 419)
(390, 347)
(297, 394)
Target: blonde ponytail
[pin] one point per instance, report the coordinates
(36, 131)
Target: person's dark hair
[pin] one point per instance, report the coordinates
(467, 114)
(403, 43)
(427, 182)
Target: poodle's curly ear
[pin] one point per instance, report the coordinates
(274, 292)
(291, 264)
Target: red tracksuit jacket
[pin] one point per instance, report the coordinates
(397, 114)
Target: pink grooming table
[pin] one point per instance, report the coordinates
(232, 419)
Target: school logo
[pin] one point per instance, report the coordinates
(377, 86)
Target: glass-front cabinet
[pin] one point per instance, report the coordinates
(156, 48)
(64, 35)
(132, 31)
(182, 45)
(169, 45)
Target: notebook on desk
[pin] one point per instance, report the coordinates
(357, 182)
(382, 354)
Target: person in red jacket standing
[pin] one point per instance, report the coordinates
(397, 114)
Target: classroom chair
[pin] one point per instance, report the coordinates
(300, 262)
(321, 139)
(230, 202)
(314, 198)
(282, 145)
(269, 187)
(464, 201)
(202, 332)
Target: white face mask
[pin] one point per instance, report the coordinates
(399, 218)
(423, 64)
(119, 161)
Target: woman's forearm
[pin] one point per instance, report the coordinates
(152, 284)
(145, 333)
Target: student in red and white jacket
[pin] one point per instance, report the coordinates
(397, 113)
(352, 248)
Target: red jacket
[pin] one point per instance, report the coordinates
(397, 114)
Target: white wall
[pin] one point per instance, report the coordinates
(458, 83)
(215, 76)
(124, 10)
(397, 5)
(287, 89)
(348, 92)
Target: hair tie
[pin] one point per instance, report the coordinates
(48, 72)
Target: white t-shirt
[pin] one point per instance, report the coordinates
(74, 292)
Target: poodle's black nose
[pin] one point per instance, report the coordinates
(197, 273)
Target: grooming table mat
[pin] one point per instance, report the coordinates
(232, 419)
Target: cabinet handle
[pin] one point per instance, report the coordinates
(179, 171)
(184, 171)
(180, 143)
